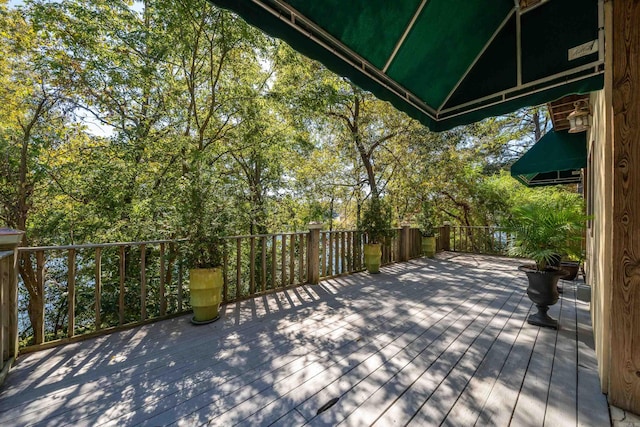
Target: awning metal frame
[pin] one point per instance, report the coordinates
(404, 35)
(343, 52)
(294, 19)
(477, 58)
(598, 68)
(551, 181)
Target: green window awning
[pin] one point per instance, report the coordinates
(556, 158)
(445, 62)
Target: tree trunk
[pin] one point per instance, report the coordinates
(35, 305)
(365, 156)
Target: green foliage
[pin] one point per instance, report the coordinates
(543, 231)
(204, 216)
(376, 220)
(426, 219)
(176, 119)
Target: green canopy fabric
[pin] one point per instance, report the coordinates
(555, 159)
(445, 62)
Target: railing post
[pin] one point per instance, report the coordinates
(9, 241)
(445, 235)
(313, 253)
(405, 242)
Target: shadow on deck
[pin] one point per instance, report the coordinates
(428, 342)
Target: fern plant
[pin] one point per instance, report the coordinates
(542, 232)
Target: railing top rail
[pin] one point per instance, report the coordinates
(96, 245)
(5, 254)
(495, 227)
(247, 236)
(157, 242)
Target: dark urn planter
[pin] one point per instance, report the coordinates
(543, 291)
(571, 267)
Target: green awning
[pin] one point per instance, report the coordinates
(445, 62)
(556, 158)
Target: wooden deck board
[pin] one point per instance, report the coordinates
(333, 339)
(562, 400)
(389, 346)
(427, 342)
(592, 407)
(415, 381)
(498, 408)
(401, 368)
(470, 402)
(443, 398)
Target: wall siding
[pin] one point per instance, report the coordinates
(624, 376)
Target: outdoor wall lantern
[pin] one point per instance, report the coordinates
(579, 118)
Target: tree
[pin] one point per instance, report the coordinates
(35, 125)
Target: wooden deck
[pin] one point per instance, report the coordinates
(429, 342)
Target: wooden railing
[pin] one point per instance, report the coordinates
(8, 300)
(391, 248)
(480, 240)
(341, 252)
(125, 283)
(257, 264)
(133, 283)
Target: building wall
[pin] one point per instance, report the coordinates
(624, 68)
(599, 206)
(613, 246)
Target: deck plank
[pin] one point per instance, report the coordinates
(281, 349)
(459, 399)
(430, 341)
(331, 339)
(434, 409)
(562, 401)
(248, 408)
(471, 401)
(499, 405)
(532, 400)
(387, 388)
(314, 396)
(593, 409)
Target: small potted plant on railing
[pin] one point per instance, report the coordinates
(376, 224)
(541, 233)
(427, 229)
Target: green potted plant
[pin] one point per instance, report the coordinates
(205, 280)
(571, 266)
(427, 229)
(541, 232)
(376, 224)
(204, 219)
(573, 257)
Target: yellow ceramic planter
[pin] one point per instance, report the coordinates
(429, 246)
(205, 286)
(372, 257)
